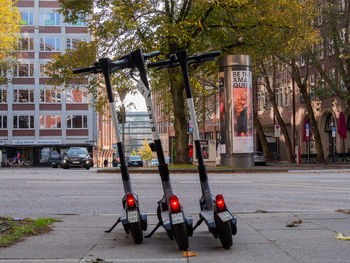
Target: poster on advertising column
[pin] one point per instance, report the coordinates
(242, 111)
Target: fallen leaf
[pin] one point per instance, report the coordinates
(294, 223)
(261, 211)
(188, 254)
(340, 236)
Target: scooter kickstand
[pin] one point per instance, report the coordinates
(154, 230)
(115, 224)
(198, 223)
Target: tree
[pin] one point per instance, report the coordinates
(196, 25)
(9, 28)
(145, 151)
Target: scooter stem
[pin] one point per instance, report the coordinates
(105, 64)
(182, 58)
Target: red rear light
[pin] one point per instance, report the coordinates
(131, 200)
(220, 202)
(174, 203)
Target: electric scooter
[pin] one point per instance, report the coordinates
(169, 211)
(134, 221)
(220, 221)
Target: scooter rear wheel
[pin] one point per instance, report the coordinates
(136, 232)
(181, 236)
(224, 232)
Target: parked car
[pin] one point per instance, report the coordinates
(135, 161)
(154, 162)
(76, 157)
(56, 162)
(259, 158)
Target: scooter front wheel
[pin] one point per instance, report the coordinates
(181, 236)
(224, 231)
(136, 232)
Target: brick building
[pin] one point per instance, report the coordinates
(36, 119)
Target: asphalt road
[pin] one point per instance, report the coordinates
(88, 203)
(44, 191)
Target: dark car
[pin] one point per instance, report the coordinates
(76, 157)
(259, 158)
(56, 162)
(135, 161)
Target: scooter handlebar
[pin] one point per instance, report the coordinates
(84, 69)
(151, 54)
(200, 57)
(158, 64)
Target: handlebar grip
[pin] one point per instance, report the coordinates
(160, 63)
(121, 63)
(84, 69)
(205, 55)
(151, 54)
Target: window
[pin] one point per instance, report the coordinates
(73, 42)
(302, 61)
(79, 22)
(23, 70)
(286, 96)
(3, 95)
(330, 47)
(320, 50)
(49, 19)
(50, 44)
(312, 80)
(50, 96)
(79, 95)
(342, 34)
(27, 18)
(341, 6)
(3, 122)
(23, 122)
(279, 96)
(332, 73)
(76, 121)
(43, 70)
(50, 121)
(25, 44)
(23, 95)
(320, 17)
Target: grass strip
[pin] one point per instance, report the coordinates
(13, 230)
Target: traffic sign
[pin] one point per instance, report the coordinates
(333, 132)
(277, 131)
(307, 129)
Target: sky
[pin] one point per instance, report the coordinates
(138, 100)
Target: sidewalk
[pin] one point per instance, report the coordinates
(276, 167)
(261, 237)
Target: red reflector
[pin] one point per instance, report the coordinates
(131, 201)
(174, 203)
(220, 202)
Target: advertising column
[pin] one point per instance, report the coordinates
(236, 111)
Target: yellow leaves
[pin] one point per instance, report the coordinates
(9, 28)
(188, 254)
(340, 236)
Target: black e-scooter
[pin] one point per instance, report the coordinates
(221, 222)
(169, 211)
(134, 221)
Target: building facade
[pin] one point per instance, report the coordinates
(38, 119)
(322, 82)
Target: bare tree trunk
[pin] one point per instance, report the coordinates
(290, 153)
(180, 125)
(314, 128)
(258, 127)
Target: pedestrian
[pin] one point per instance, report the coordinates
(105, 162)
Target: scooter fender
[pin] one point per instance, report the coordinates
(166, 220)
(208, 216)
(143, 218)
(125, 224)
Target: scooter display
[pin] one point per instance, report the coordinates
(169, 210)
(134, 221)
(220, 221)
